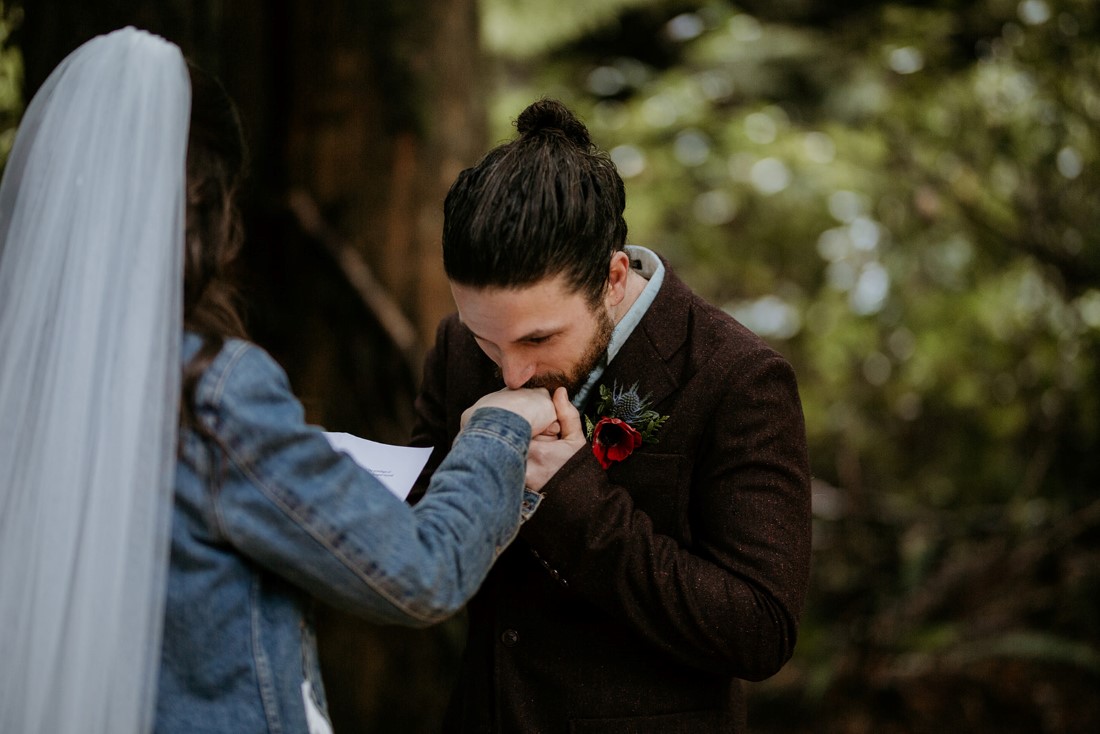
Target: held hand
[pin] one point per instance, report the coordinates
(531, 404)
(545, 457)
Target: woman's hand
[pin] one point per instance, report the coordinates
(550, 451)
(532, 404)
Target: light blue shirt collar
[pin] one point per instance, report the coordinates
(646, 263)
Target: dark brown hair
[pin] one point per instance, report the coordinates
(544, 204)
(214, 234)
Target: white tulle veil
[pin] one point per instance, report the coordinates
(91, 249)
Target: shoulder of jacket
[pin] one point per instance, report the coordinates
(238, 365)
(718, 334)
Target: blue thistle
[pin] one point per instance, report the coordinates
(627, 405)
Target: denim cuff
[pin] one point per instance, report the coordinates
(531, 502)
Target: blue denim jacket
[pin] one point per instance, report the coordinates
(268, 516)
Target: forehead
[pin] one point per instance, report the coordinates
(508, 314)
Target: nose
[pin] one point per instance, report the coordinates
(516, 371)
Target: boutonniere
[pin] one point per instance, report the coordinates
(625, 423)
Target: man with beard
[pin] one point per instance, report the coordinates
(669, 555)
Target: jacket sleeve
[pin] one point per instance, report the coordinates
(728, 598)
(287, 500)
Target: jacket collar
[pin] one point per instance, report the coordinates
(650, 355)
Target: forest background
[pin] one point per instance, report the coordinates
(900, 196)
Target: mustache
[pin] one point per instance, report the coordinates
(551, 381)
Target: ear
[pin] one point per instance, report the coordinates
(617, 277)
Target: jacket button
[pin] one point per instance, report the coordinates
(509, 638)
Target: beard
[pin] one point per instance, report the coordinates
(577, 375)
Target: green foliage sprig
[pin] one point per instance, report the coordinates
(628, 406)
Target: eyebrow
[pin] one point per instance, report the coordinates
(536, 334)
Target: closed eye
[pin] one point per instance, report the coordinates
(535, 340)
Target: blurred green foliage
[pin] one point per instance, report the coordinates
(901, 197)
(11, 79)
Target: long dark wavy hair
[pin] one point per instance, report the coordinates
(216, 162)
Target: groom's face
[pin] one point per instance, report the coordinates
(542, 335)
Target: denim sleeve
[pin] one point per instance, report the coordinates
(291, 503)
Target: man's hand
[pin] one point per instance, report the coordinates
(532, 404)
(548, 452)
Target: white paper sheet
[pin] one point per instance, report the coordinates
(397, 467)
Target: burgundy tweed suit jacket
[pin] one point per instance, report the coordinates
(637, 598)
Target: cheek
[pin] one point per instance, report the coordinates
(564, 355)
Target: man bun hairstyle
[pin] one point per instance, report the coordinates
(547, 203)
(550, 117)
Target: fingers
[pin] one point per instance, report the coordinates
(568, 416)
(545, 417)
(546, 457)
(534, 405)
(552, 433)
